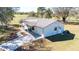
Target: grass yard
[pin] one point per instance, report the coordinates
(68, 45)
(18, 18)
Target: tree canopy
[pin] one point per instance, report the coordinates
(7, 14)
(48, 13)
(59, 12)
(40, 11)
(62, 12)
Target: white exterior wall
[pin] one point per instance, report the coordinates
(49, 30)
(37, 30)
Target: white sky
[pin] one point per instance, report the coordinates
(27, 9)
(29, 5)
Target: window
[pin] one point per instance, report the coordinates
(55, 28)
(33, 28)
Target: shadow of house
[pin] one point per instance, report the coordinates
(61, 37)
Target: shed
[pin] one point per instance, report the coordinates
(44, 26)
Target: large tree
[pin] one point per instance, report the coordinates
(7, 14)
(40, 11)
(48, 13)
(62, 12)
(74, 12)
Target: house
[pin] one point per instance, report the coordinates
(44, 26)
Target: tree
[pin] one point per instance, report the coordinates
(48, 13)
(32, 14)
(74, 12)
(7, 14)
(62, 12)
(40, 11)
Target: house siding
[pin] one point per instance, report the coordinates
(50, 30)
(38, 30)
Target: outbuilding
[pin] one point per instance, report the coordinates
(44, 26)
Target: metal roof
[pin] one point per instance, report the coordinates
(39, 22)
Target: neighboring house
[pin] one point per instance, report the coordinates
(47, 27)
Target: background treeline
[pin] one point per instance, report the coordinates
(59, 12)
(22, 13)
(63, 13)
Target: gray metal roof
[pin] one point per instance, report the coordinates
(39, 22)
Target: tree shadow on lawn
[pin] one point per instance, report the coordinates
(61, 37)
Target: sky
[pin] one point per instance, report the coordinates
(29, 5)
(27, 9)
